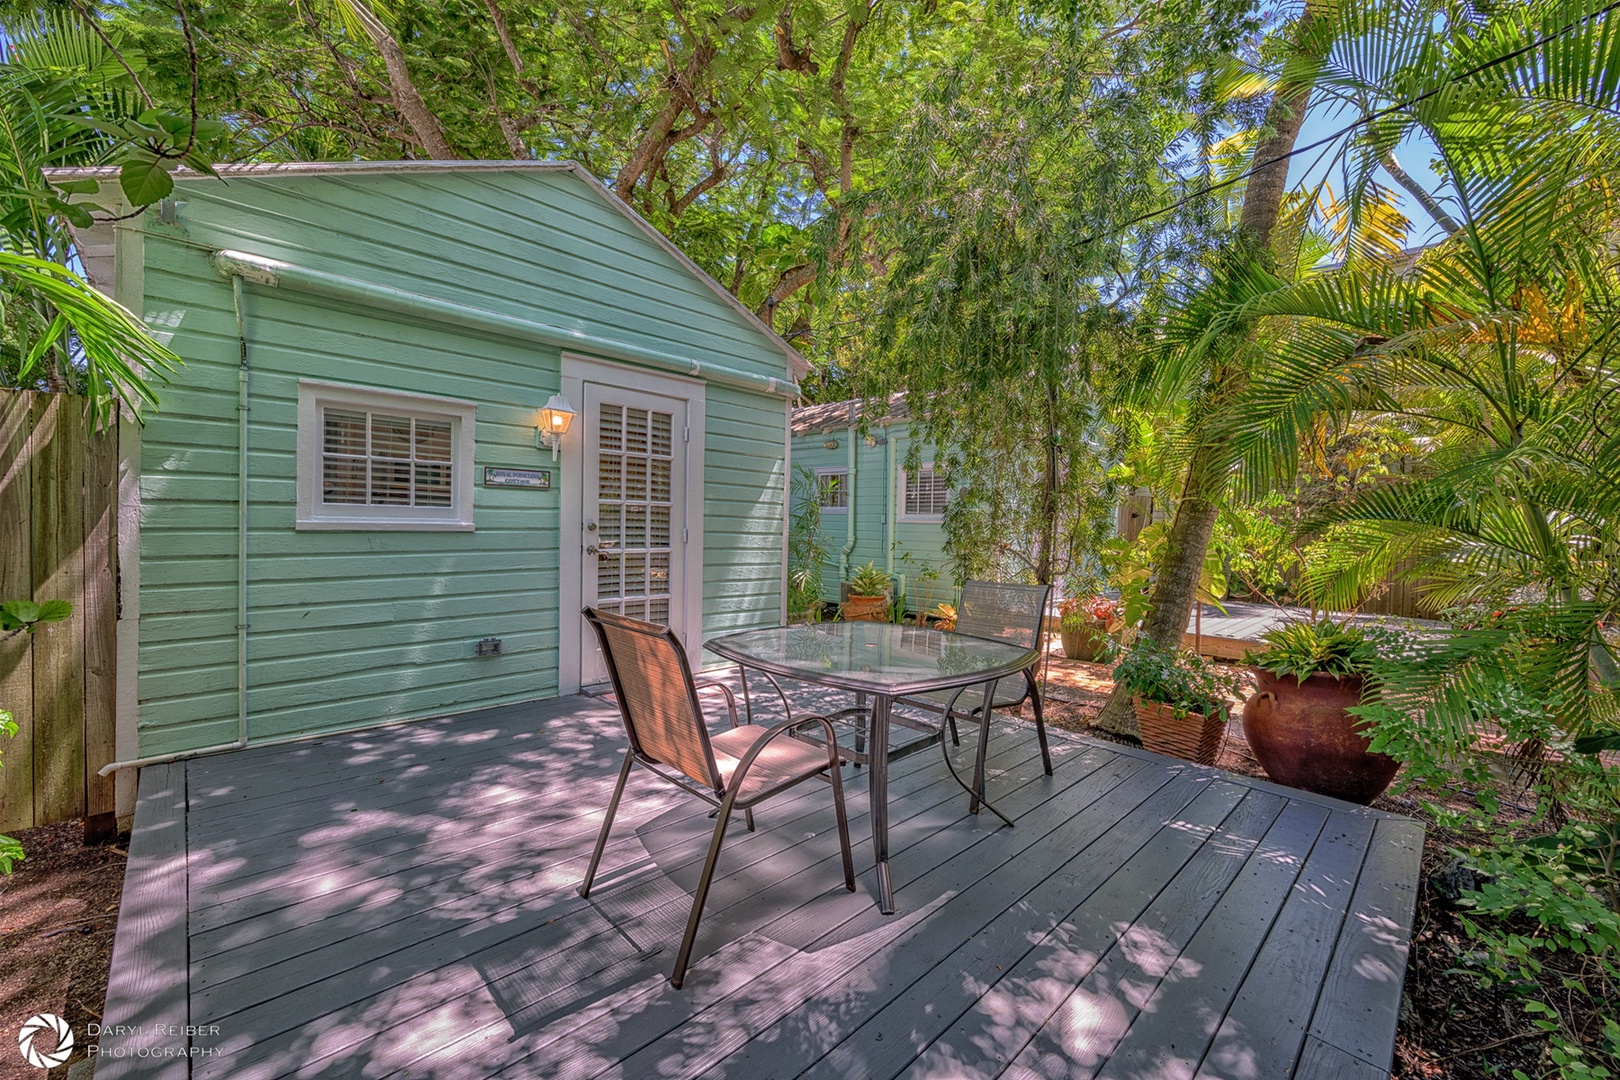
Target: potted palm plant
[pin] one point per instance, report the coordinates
(1084, 623)
(868, 595)
(1298, 722)
(1182, 702)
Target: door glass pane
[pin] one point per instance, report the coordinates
(611, 432)
(635, 477)
(635, 510)
(635, 431)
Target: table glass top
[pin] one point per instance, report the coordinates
(879, 657)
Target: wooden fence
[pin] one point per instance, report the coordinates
(58, 540)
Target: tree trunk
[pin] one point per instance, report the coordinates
(1046, 541)
(1175, 584)
(406, 99)
(1415, 189)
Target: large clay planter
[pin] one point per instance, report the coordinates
(1082, 644)
(1194, 736)
(1303, 737)
(866, 609)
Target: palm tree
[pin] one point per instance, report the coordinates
(68, 97)
(1496, 341)
(1501, 344)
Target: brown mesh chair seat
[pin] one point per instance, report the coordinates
(736, 769)
(780, 765)
(1015, 614)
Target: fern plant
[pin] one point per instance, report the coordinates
(1303, 649)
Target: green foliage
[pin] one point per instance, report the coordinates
(1177, 678)
(10, 850)
(69, 97)
(24, 616)
(117, 357)
(1459, 708)
(1303, 649)
(869, 581)
(1542, 898)
(1131, 565)
(807, 548)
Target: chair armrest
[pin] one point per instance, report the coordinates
(716, 684)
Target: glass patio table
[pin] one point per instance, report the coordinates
(883, 662)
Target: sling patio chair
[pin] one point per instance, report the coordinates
(735, 769)
(1015, 614)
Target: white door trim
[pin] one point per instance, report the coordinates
(576, 372)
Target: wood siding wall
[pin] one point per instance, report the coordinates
(348, 629)
(919, 546)
(58, 508)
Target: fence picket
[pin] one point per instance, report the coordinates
(58, 488)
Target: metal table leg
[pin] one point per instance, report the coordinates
(878, 786)
(983, 750)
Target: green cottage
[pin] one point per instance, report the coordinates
(873, 508)
(343, 515)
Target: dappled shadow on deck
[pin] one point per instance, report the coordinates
(403, 903)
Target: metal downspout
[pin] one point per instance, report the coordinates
(889, 513)
(242, 373)
(241, 561)
(849, 507)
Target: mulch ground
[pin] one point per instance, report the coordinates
(58, 911)
(1450, 1028)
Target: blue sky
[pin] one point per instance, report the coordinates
(1416, 155)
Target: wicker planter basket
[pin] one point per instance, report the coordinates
(1083, 644)
(866, 609)
(1194, 736)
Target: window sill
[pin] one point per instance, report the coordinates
(373, 525)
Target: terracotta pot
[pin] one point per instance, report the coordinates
(866, 609)
(1303, 737)
(1194, 736)
(1083, 644)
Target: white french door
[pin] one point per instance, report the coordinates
(633, 512)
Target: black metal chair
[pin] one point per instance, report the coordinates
(734, 770)
(1015, 614)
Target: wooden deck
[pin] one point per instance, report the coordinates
(400, 903)
(1230, 634)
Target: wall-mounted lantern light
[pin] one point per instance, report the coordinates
(831, 444)
(554, 421)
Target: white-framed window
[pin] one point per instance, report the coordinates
(923, 494)
(380, 459)
(832, 490)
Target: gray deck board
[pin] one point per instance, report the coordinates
(150, 949)
(1357, 1010)
(1078, 1034)
(1264, 1027)
(401, 902)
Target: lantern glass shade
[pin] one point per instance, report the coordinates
(556, 417)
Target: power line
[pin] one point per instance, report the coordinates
(1377, 114)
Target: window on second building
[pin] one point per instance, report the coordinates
(377, 459)
(923, 494)
(832, 490)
